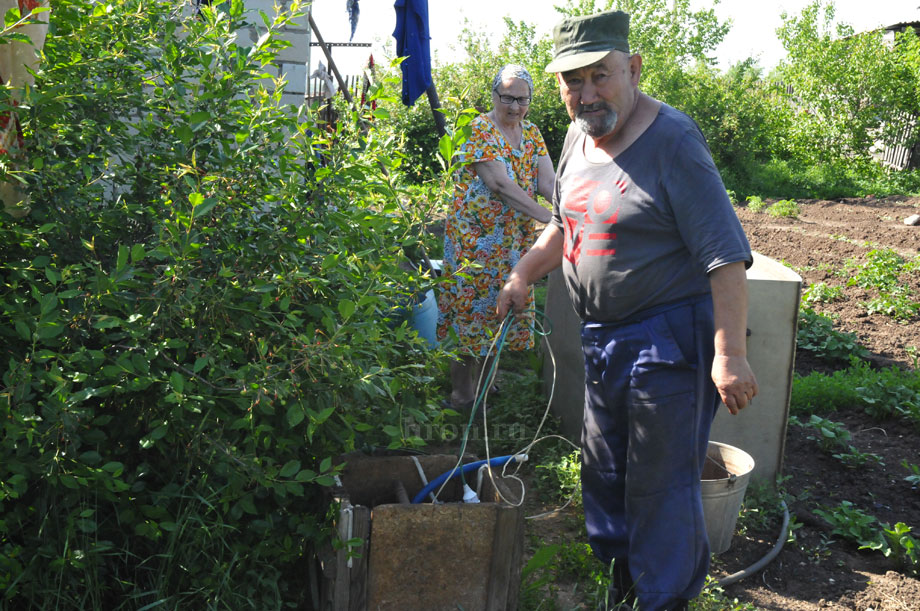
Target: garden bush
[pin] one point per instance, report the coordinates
(202, 310)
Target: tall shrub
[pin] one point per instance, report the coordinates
(852, 92)
(200, 312)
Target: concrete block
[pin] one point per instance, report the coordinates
(434, 557)
(296, 77)
(773, 314)
(299, 49)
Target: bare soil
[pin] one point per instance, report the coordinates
(816, 570)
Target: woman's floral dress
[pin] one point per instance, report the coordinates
(484, 238)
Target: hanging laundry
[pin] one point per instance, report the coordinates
(353, 12)
(327, 82)
(414, 43)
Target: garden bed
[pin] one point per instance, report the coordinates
(827, 243)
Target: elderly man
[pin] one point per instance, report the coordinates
(654, 260)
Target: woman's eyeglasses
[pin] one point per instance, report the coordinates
(510, 99)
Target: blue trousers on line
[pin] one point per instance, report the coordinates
(649, 404)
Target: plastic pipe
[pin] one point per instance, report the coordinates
(498, 461)
(725, 581)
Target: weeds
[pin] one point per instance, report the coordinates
(896, 305)
(883, 393)
(561, 478)
(834, 439)
(851, 523)
(713, 598)
(821, 293)
(755, 203)
(762, 507)
(817, 334)
(830, 436)
(882, 271)
(784, 208)
(914, 478)
(856, 526)
(898, 544)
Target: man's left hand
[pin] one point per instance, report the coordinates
(735, 381)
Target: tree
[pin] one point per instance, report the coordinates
(851, 90)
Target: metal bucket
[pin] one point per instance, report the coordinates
(725, 478)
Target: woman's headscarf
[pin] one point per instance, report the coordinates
(512, 71)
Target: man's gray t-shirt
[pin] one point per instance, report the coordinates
(646, 228)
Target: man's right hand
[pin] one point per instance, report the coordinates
(512, 297)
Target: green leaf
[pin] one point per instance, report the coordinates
(49, 330)
(326, 464)
(323, 415)
(205, 207)
(11, 17)
(346, 308)
(114, 467)
(49, 303)
(107, 322)
(290, 468)
(52, 276)
(305, 475)
(446, 148)
(91, 458)
(200, 364)
(195, 199)
(199, 117)
(184, 134)
(23, 330)
(295, 415)
(177, 381)
(137, 253)
(123, 254)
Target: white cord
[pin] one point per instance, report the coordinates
(493, 368)
(536, 439)
(478, 392)
(421, 474)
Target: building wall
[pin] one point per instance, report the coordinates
(292, 61)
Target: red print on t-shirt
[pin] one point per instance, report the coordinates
(588, 205)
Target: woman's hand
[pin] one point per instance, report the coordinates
(495, 176)
(513, 296)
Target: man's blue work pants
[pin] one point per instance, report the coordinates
(649, 404)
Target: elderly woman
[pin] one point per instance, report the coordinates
(491, 223)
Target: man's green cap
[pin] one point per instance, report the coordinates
(581, 41)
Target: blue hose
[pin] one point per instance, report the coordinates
(498, 461)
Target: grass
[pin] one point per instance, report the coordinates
(882, 393)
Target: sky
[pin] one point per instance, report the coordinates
(752, 33)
